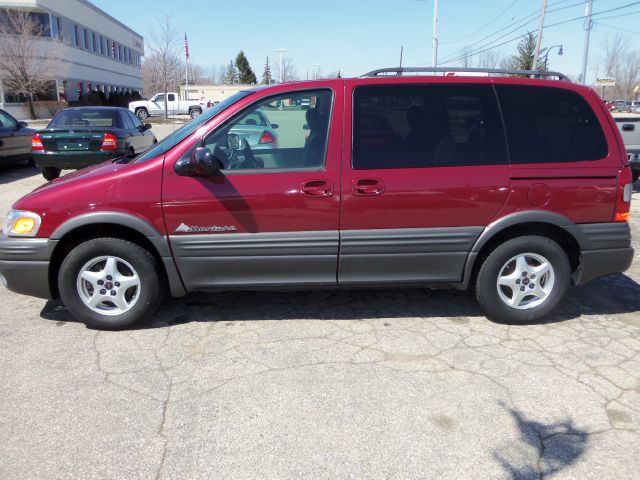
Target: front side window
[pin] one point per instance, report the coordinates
(422, 126)
(275, 134)
(159, 98)
(547, 125)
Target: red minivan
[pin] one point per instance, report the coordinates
(514, 187)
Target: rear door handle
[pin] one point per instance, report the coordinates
(317, 188)
(367, 187)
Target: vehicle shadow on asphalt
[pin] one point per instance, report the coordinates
(13, 173)
(615, 294)
(558, 445)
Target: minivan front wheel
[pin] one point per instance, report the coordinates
(523, 280)
(109, 283)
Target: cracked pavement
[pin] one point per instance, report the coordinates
(404, 383)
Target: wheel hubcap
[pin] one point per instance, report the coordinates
(525, 281)
(108, 285)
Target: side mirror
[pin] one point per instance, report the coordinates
(147, 126)
(305, 127)
(22, 125)
(201, 163)
(275, 125)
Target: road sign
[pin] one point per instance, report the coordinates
(605, 82)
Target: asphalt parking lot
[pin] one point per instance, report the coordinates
(405, 383)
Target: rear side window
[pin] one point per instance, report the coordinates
(422, 126)
(550, 125)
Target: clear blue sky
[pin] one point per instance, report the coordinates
(355, 36)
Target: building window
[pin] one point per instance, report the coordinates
(101, 43)
(96, 44)
(76, 35)
(55, 26)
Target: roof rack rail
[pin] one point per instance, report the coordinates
(498, 71)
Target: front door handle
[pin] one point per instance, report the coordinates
(367, 187)
(317, 188)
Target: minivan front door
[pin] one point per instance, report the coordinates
(426, 172)
(270, 217)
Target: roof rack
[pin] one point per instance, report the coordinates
(497, 71)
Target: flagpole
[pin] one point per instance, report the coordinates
(186, 68)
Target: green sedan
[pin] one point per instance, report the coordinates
(82, 136)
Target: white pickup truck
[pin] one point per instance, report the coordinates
(154, 107)
(629, 127)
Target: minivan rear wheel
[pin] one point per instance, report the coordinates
(109, 283)
(523, 280)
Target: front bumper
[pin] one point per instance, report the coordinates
(73, 160)
(24, 265)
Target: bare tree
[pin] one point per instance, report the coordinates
(467, 57)
(288, 70)
(613, 52)
(628, 77)
(198, 76)
(489, 59)
(164, 50)
(26, 59)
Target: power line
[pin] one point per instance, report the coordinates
(484, 26)
(475, 52)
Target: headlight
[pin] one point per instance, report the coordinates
(21, 223)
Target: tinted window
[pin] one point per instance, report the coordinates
(546, 125)
(172, 97)
(88, 117)
(251, 141)
(421, 126)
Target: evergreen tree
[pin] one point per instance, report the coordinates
(231, 74)
(267, 79)
(245, 74)
(526, 51)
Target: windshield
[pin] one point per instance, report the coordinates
(187, 129)
(86, 117)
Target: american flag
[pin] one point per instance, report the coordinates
(186, 46)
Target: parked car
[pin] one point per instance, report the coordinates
(83, 136)
(515, 188)
(257, 130)
(155, 106)
(15, 140)
(635, 106)
(629, 127)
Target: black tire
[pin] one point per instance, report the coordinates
(487, 290)
(634, 175)
(142, 113)
(195, 112)
(50, 173)
(145, 266)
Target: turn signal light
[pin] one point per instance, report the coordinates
(23, 225)
(36, 143)
(109, 142)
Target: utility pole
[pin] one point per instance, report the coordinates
(588, 25)
(434, 53)
(280, 52)
(401, 48)
(539, 39)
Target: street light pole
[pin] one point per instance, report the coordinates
(434, 46)
(539, 39)
(588, 25)
(280, 52)
(546, 55)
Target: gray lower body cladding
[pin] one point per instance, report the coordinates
(301, 259)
